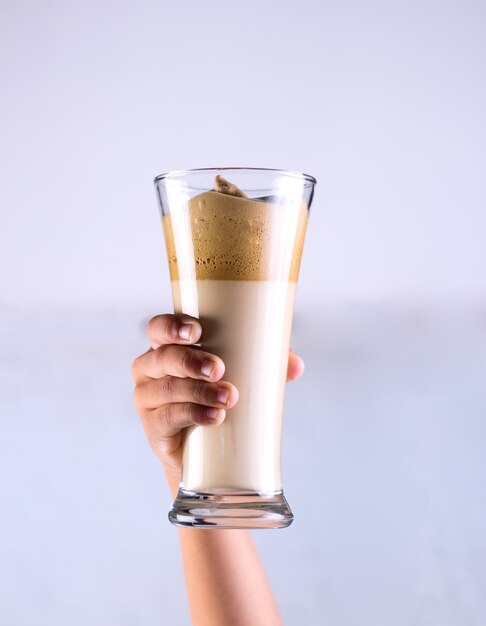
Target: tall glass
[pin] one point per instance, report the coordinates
(234, 239)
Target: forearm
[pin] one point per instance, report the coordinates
(225, 578)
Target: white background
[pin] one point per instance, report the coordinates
(384, 451)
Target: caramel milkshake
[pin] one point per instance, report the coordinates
(234, 263)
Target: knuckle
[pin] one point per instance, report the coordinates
(159, 325)
(146, 417)
(168, 387)
(167, 415)
(199, 390)
(151, 325)
(191, 411)
(138, 397)
(160, 355)
(187, 360)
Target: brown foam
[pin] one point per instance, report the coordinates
(235, 238)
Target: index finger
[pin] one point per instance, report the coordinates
(166, 329)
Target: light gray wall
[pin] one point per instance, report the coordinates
(384, 102)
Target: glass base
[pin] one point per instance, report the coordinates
(230, 510)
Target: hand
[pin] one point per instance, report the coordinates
(177, 386)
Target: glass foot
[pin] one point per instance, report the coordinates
(230, 510)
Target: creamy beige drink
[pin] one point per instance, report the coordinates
(234, 263)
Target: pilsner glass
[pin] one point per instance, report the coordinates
(234, 254)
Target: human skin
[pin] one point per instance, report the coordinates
(176, 386)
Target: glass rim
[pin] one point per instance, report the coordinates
(176, 174)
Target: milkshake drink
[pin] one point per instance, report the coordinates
(234, 263)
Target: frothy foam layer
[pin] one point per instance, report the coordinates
(235, 238)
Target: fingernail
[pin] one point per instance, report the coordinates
(207, 368)
(185, 331)
(223, 395)
(213, 413)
